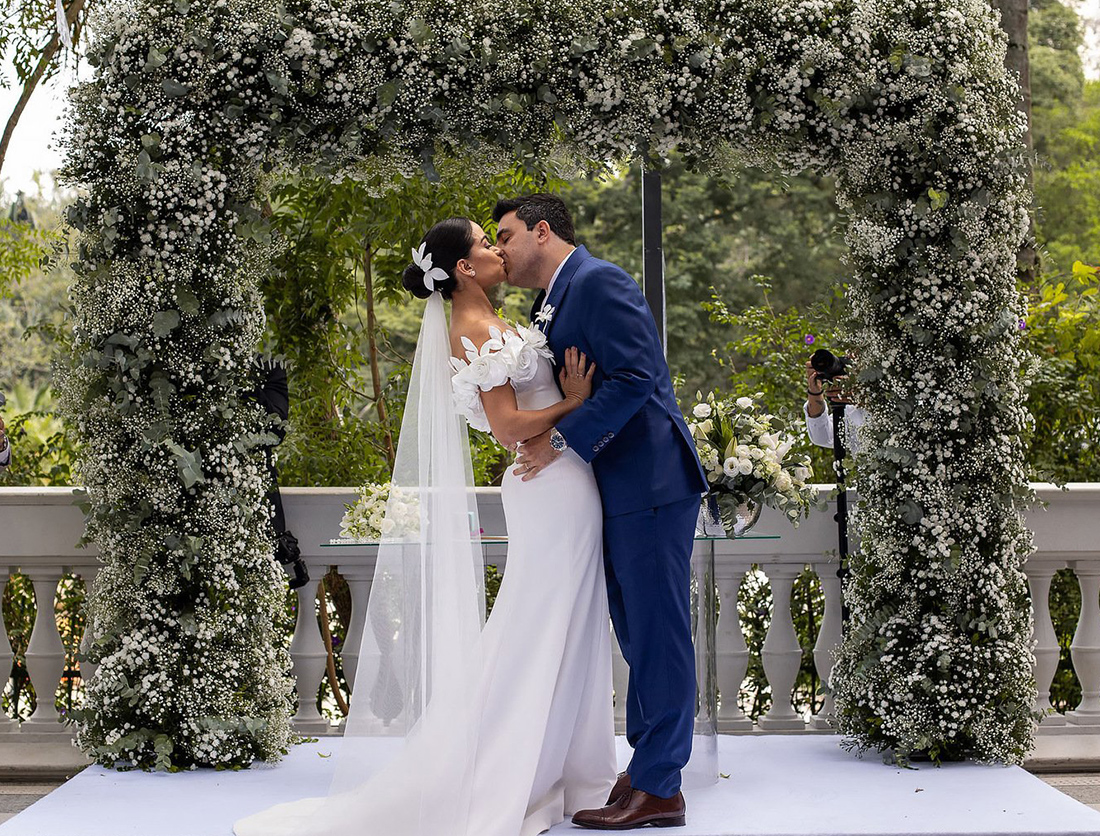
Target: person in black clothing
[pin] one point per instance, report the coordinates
(273, 394)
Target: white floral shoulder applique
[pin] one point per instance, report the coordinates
(511, 356)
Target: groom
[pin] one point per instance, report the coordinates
(650, 480)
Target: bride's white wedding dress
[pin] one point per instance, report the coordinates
(543, 746)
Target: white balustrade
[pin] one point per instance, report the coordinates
(732, 652)
(41, 527)
(359, 579)
(782, 655)
(45, 657)
(308, 657)
(1039, 576)
(1085, 648)
(7, 658)
(828, 638)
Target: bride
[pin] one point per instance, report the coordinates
(507, 729)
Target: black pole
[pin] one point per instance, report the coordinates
(653, 255)
(841, 504)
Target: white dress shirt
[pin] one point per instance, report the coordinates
(820, 429)
(554, 278)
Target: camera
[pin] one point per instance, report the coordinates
(828, 365)
(289, 555)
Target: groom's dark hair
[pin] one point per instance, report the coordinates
(537, 207)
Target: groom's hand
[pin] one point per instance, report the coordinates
(534, 454)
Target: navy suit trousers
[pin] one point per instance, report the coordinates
(647, 557)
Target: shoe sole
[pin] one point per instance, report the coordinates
(673, 821)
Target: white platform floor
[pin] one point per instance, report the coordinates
(778, 786)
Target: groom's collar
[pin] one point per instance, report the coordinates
(554, 278)
(564, 274)
(561, 279)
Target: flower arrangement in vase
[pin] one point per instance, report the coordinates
(751, 460)
(376, 515)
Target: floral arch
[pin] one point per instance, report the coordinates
(195, 107)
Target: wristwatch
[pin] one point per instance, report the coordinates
(557, 440)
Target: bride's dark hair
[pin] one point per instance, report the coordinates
(447, 242)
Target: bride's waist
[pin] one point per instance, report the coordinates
(567, 467)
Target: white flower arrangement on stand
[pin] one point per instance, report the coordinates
(381, 511)
(750, 462)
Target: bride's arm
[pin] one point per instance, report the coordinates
(510, 424)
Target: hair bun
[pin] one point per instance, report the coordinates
(413, 281)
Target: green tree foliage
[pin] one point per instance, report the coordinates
(1066, 129)
(717, 237)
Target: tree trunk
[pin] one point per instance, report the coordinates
(72, 12)
(1014, 22)
(376, 377)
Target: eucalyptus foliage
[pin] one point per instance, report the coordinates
(196, 109)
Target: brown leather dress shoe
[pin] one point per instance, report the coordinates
(635, 809)
(622, 784)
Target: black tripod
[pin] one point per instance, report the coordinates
(841, 515)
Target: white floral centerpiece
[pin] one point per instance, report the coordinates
(749, 461)
(374, 516)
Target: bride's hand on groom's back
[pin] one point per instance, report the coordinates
(576, 376)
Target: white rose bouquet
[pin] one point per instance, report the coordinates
(374, 516)
(749, 459)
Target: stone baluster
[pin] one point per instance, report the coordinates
(7, 724)
(781, 655)
(359, 580)
(87, 668)
(45, 652)
(1039, 576)
(308, 657)
(1085, 648)
(620, 679)
(732, 652)
(828, 638)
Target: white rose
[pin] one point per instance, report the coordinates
(388, 525)
(783, 481)
(802, 473)
(729, 467)
(489, 371)
(744, 403)
(524, 360)
(744, 467)
(702, 410)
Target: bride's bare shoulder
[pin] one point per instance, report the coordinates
(476, 331)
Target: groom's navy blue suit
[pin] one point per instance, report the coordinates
(650, 481)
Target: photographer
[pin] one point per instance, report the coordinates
(273, 394)
(819, 421)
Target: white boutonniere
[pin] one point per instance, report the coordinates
(543, 317)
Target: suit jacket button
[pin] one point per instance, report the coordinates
(595, 448)
(611, 435)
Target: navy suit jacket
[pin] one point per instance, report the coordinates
(631, 429)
